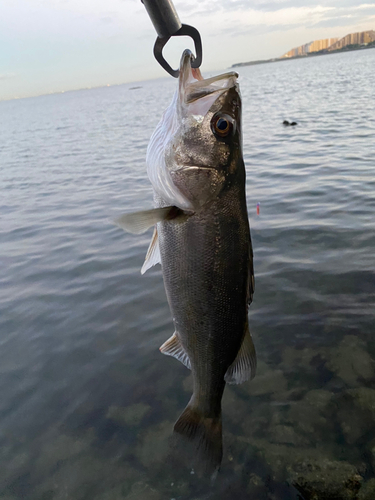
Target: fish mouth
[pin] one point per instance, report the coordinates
(193, 87)
(191, 168)
(195, 75)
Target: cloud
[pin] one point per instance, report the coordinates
(209, 6)
(335, 22)
(365, 6)
(257, 17)
(345, 16)
(250, 19)
(62, 44)
(7, 76)
(263, 12)
(107, 20)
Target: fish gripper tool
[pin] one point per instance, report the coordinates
(167, 24)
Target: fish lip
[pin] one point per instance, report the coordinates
(185, 68)
(186, 59)
(184, 168)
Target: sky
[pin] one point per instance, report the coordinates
(51, 46)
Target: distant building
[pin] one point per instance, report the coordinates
(322, 44)
(362, 37)
(302, 50)
(314, 46)
(329, 44)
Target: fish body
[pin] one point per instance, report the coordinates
(202, 239)
(207, 278)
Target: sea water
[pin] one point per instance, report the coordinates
(87, 401)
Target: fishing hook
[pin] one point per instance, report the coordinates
(167, 24)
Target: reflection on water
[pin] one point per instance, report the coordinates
(87, 402)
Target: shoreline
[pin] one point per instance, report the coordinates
(313, 54)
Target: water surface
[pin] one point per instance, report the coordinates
(87, 402)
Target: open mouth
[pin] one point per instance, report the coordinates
(213, 87)
(186, 168)
(196, 87)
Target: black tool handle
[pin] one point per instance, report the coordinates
(163, 16)
(167, 24)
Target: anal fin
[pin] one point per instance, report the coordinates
(153, 253)
(244, 366)
(173, 347)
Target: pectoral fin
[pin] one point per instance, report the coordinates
(244, 366)
(173, 347)
(153, 253)
(139, 222)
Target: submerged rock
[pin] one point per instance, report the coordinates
(129, 415)
(83, 476)
(367, 492)
(155, 445)
(325, 479)
(234, 407)
(286, 434)
(13, 466)
(311, 416)
(277, 458)
(365, 399)
(371, 453)
(143, 491)
(319, 398)
(116, 493)
(256, 487)
(350, 361)
(138, 491)
(300, 358)
(267, 381)
(257, 420)
(62, 448)
(356, 413)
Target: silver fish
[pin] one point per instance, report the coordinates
(202, 239)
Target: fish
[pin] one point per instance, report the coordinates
(202, 240)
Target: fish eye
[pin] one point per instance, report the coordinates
(222, 125)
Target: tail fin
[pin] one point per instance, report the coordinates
(205, 434)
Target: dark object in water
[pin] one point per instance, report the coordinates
(135, 88)
(286, 123)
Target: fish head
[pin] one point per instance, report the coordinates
(202, 144)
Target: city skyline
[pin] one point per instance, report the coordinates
(60, 45)
(329, 44)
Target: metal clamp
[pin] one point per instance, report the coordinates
(167, 24)
(185, 30)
